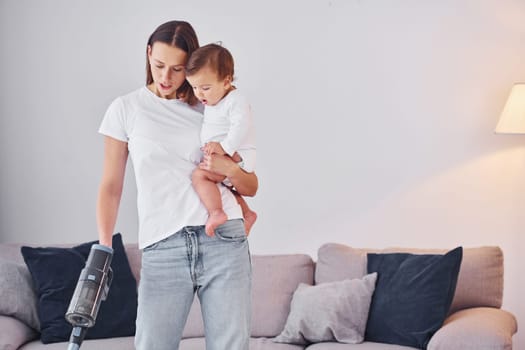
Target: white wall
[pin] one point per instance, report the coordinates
(375, 118)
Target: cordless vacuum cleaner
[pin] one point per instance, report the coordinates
(92, 288)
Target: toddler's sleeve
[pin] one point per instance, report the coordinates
(240, 126)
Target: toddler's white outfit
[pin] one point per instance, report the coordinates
(230, 123)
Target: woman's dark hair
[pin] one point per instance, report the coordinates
(213, 56)
(181, 35)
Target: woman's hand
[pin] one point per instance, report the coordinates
(246, 184)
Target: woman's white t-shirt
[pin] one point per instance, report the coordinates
(163, 139)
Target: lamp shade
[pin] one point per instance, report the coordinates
(512, 118)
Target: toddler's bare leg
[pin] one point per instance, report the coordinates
(249, 215)
(205, 184)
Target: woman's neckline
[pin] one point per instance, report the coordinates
(168, 100)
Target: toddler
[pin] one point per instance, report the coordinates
(227, 128)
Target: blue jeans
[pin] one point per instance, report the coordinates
(217, 268)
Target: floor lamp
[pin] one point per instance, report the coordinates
(512, 118)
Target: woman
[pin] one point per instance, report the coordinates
(158, 125)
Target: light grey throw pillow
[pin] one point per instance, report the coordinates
(17, 296)
(333, 311)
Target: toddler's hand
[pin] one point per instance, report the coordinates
(213, 148)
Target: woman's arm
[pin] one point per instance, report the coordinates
(110, 190)
(246, 184)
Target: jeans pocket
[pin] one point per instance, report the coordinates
(157, 245)
(150, 247)
(232, 231)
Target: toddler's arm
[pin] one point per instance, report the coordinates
(241, 126)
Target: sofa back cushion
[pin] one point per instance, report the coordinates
(275, 279)
(11, 252)
(134, 257)
(480, 280)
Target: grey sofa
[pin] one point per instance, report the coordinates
(476, 320)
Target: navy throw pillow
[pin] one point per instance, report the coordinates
(412, 297)
(55, 273)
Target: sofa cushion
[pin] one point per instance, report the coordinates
(333, 311)
(14, 333)
(480, 280)
(412, 297)
(255, 344)
(362, 346)
(120, 343)
(55, 272)
(17, 295)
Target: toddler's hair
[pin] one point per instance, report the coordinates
(213, 56)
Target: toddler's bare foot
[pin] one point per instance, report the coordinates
(215, 219)
(249, 220)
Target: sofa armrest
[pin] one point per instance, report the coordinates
(14, 333)
(474, 329)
